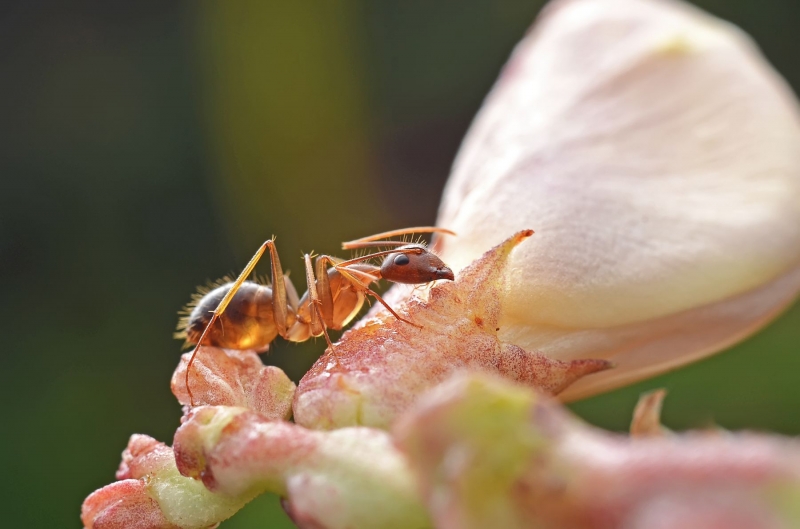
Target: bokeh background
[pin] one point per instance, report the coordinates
(150, 146)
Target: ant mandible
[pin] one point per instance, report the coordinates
(251, 315)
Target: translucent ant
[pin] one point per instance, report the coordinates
(252, 315)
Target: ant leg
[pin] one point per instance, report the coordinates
(313, 296)
(317, 320)
(324, 290)
(350, 274)
(280, 308)
(375, 240)
(279, 300)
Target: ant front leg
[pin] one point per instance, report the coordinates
(351, 274)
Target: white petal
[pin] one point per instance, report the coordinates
(657, 156)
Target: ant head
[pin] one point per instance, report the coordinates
(414, 264)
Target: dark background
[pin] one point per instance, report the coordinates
(150, 146)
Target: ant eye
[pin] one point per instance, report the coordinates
(401, 260)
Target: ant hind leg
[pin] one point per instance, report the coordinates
(279, 301)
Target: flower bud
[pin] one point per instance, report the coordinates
(151, 494)
(487, 453)
(224, 377)
(351, 477)
(657, 156)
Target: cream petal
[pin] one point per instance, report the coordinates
(645, 349)
(657, 156)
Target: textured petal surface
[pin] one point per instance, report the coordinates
(378, 369)
(657, 156)
(222, 377)
(125, 504)
(489, 454)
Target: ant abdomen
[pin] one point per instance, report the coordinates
(248, 322)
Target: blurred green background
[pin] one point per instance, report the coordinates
(149, 146)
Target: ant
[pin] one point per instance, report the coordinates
(252, 315)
